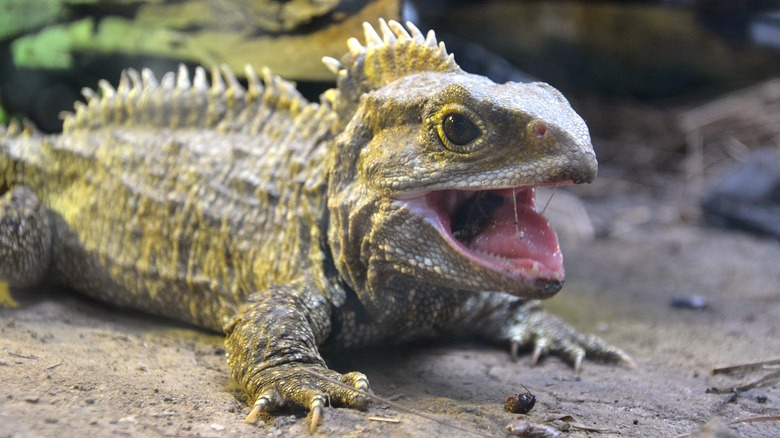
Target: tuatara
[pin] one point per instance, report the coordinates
(401, 206)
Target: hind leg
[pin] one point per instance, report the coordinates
(25, 237)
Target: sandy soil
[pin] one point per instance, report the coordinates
(74, 367)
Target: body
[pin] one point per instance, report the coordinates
(180, 221)
(400, 206)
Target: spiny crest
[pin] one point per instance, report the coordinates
(17, 128)
(399, 51)
(177, 100)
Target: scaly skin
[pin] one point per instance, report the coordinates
(382, 213)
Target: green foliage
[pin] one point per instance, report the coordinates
(51, 48)
(19, 16)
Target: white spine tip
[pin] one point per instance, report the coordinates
(268, 77)
(183, 78)
(430, 40)
(415, 31)
(124, 83)
(135, 79)
(230, 78)
(89, 94)
(199, 80)
(399, 30)
(443, 48)
(388, 37)
(168, 81)
(332, 64)
(106, 89)
(253, 82)
(372, 38)
(149, 80)
(217, 83)
(355, 48)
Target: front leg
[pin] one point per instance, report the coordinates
(25, 237)
(272, 347)
(524, 324)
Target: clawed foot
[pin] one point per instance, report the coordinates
(309, 386)
(547, 334)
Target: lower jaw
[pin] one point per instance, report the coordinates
(547, 288)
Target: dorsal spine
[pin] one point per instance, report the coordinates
(390, 54)
(177, 101)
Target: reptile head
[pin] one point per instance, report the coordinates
(439, 175)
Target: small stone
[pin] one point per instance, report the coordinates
(690, 302)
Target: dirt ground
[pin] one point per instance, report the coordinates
(74, 367)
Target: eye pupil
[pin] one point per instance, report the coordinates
(459, 129)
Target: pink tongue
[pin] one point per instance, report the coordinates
(531, 239)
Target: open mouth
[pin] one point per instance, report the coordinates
(496, 229)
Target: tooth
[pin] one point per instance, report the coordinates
(495, 257)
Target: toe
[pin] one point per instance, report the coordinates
(352, 391)
(316, 406)
(574, 355)
(540, 349)
(359, 381)
(267, 401)
(355, 379)
(515, 350)
(624, 358)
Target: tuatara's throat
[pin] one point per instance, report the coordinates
(473, 215)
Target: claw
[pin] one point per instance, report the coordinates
(536, 355)
(317, 403)
(578, 358)
(627, 360)
(550, 335)
(261, 405)
(539, 349)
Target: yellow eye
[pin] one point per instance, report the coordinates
(458, 131)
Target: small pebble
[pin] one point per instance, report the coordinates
(690, 302)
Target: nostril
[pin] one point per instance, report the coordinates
(539, 129)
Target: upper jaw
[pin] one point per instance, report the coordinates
(498, 233)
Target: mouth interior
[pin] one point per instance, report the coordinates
(500, 229)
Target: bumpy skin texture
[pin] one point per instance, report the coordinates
(383, 213)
